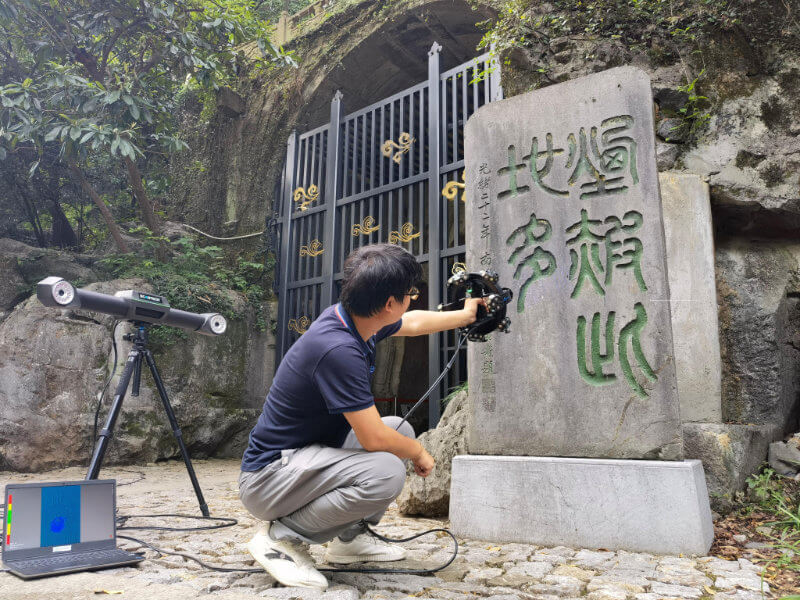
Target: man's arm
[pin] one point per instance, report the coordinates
(375, 436)
(423, 322)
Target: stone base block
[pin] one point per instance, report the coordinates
(659, 507)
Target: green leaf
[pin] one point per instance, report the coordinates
(52, 134)
(86, 137)
(113, 97)
(127, 99)
(75, 133)
(126, 149)
(134, 110)
(33, 168)
(3, 153)
(115, 145)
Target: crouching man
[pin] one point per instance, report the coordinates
(321, 462)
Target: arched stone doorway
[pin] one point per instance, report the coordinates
(394, 57)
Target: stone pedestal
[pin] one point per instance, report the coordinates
(659, 507)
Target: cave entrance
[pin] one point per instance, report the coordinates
(379, 174)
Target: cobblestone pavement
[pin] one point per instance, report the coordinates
(482, 569)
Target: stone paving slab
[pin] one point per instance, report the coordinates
(484, 570)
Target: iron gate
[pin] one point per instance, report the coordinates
(380, 174)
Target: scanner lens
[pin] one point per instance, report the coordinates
(63, 293)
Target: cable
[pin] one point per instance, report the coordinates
(402, 571)
(189, 557)
(223, 239)
(225, 522)
(105, 387)
(205, 565)
(438, 379)
(141, 475)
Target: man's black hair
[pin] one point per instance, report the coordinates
(374, 273)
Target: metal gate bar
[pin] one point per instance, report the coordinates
(339, 191)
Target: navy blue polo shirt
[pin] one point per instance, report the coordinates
(326, 373)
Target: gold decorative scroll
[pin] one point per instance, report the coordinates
(404, 146)
(299, 325)
(366, 227)
(313, 249)
(404, 235)
(450, 189)
(310, 196)
(459, 267)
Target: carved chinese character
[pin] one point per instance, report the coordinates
(630, 335)
(548, 154)
(633, 253)
(587, 259)
(533, 232)
(620, 150)
(607, 168)
(510, 171)
(586, 264)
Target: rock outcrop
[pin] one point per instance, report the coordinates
(784, 457)
(53, 363)
(21, 266)
(430, 496)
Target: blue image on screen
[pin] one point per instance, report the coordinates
(61, 515)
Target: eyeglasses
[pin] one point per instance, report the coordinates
(414, 293)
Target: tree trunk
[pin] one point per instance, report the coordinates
(30, 208)
(33, 216)
(122, 246)
(63, 235)
(148, 214)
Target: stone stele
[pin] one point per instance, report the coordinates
(563, 202)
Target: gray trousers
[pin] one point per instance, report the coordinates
(317, 493)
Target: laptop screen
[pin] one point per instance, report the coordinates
(58, 515)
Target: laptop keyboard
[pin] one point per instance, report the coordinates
(67, 561)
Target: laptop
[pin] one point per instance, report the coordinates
(61, 527)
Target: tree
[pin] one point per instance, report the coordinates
(85, 77)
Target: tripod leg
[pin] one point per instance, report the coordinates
(137, 378)
(176, 431)
(134, 362)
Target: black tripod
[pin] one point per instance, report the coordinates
(133, 368)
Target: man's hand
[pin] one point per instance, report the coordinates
(423, 464)
(471, 308)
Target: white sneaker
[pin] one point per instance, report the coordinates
(365, 547)
(288, 561)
